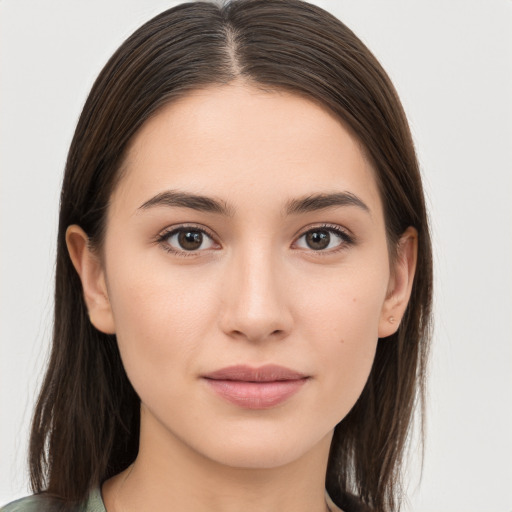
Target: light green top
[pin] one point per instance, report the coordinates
(40, 503)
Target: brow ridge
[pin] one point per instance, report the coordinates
(175, 198)
(309, 203)
(322, 201)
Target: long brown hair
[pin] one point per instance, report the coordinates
(86, 423)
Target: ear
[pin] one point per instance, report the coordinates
(88, 265)
(400, 283)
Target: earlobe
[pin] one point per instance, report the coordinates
(92, 275)
(400, 285)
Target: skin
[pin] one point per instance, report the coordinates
(255, 293)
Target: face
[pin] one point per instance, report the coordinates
(245, 273)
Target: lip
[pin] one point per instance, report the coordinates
(256, 388)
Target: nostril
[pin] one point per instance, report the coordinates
(257, 335)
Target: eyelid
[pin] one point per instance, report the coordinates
(347, 238)
(344, 234)
(171, 230)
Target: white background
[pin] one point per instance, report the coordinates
(451, 61)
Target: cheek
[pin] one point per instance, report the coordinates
(344, 304)
(160, 317)
(342, 317)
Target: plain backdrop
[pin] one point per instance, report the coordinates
(451, 61)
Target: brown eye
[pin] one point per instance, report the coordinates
(190, 240)
(318, 240)
(325, 238)
(187, 240)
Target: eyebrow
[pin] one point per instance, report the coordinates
(175, 198)
(322, 201)
(309, 203)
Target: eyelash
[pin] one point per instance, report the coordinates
(346, 239)
(163, 237)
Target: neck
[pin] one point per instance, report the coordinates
(169, 474)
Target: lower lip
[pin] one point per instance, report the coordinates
(256, 395)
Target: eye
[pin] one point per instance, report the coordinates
(325, 238)
(185, 239)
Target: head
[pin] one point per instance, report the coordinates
(233, 67)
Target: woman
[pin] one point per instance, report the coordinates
(243, 277)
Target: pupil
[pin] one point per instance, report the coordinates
(190, 240)
(318, 239)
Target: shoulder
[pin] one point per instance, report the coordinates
(45, 503)
(36, 503)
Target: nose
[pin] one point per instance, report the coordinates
(255, 305)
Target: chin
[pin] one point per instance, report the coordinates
(261, 450)
(258, 458)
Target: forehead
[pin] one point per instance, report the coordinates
(237, 141)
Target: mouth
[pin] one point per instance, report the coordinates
(256, 388)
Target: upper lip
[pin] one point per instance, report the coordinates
(266, 373)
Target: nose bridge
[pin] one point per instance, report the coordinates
(255, 300)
